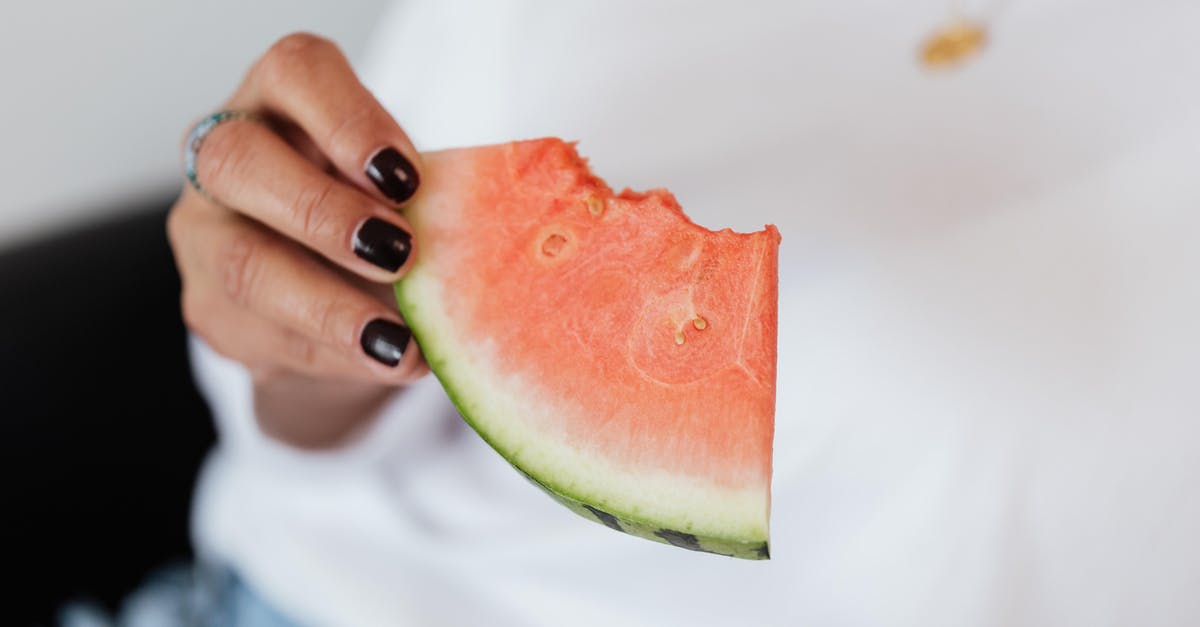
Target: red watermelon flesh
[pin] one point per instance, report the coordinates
(618, 355)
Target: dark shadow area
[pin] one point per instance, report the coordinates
(102, 431)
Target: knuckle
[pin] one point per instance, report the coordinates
(333, 320)
(301, 43)
(353, 134)
(239, 267)
(301, 351)
(294, 53)
(324, 317)
(311, 208)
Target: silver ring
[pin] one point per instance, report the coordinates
(195, 138)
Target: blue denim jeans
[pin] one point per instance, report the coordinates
(190, 595)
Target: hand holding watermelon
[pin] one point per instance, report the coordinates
(286, 254)
(619, 356)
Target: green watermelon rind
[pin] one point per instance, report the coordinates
(751, 544)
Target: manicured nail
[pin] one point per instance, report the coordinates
(383, 244)
(385, 341)
(393, 174)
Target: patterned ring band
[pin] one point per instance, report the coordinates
(195, 139)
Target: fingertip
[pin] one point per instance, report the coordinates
(386, 342)
(393, 173)
(409, 368)
(384, 244)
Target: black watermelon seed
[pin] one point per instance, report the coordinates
(680, 539)
(608, 519)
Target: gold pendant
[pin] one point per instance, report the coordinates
(952, 44)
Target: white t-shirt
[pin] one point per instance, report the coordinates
(989, 338)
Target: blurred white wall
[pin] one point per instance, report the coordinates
(94, 96)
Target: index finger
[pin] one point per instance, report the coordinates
(307, 79)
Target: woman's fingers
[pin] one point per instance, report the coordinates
(253, 269)
(248, 167)
(337, 112)
(282, 273)
(263, 345)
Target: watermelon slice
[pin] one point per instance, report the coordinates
(619, 356)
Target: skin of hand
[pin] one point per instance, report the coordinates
(287, 258)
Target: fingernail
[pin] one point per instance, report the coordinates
(393, 174)
(382, 243)
(385, 341)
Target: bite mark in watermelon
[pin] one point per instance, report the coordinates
(619, 356)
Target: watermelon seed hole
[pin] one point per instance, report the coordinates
(553, 245)
(595, 206)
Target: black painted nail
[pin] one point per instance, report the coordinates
(383, 244)
(385, 341)
(393, 174)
